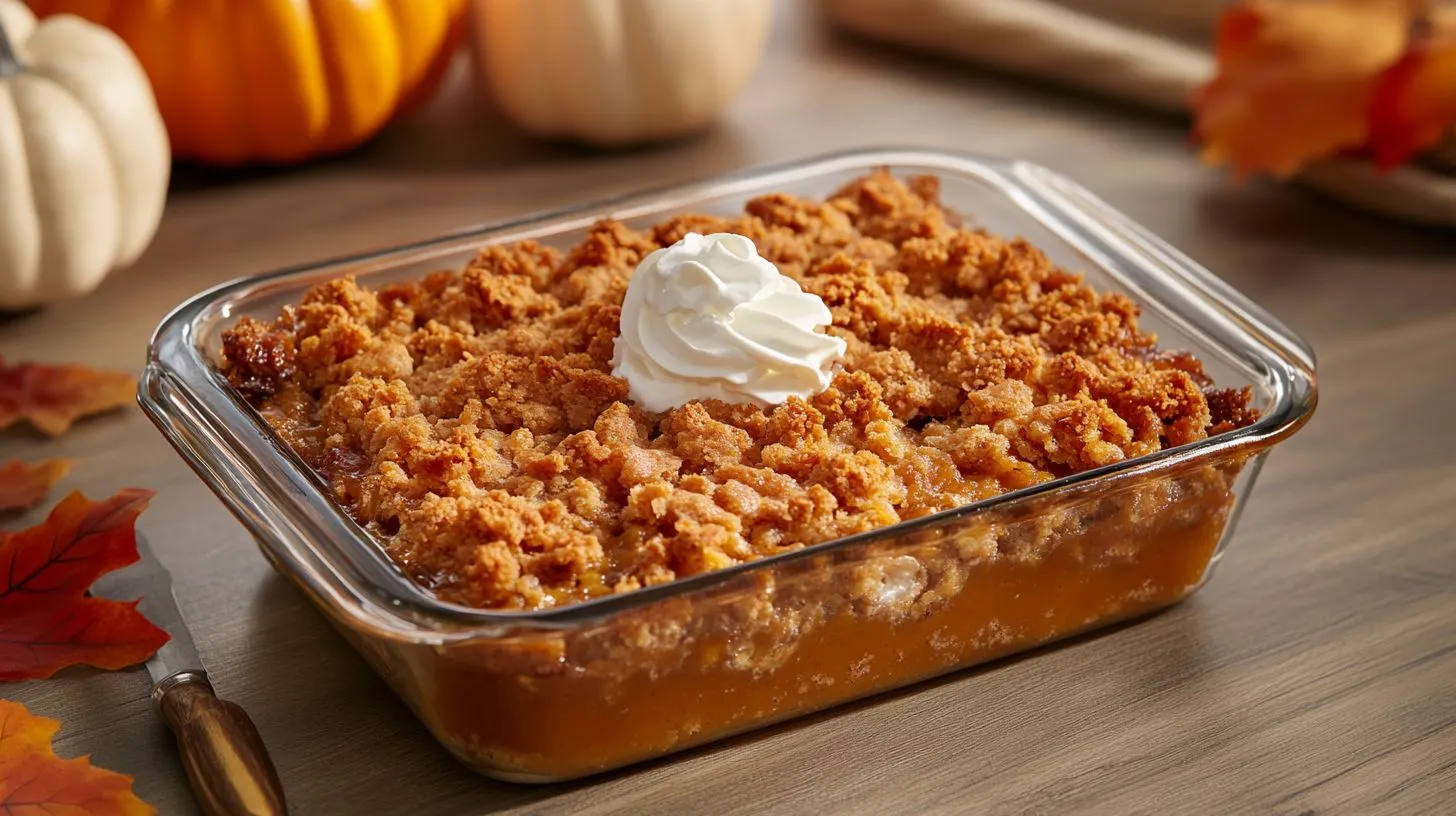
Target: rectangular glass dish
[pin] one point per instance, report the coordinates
(540, 696)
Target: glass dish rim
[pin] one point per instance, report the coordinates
(1049, 199)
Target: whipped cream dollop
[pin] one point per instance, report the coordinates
(708, 318)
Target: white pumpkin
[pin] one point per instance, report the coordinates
(617, 72)
(84, 158)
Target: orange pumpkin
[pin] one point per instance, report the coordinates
(279, 81)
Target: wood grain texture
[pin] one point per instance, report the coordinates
(1316, 673)
(227, 763)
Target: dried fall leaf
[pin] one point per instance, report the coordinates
(23, 484)
(1415, 104)
(46, 621)
(95, 631)
(79, 542)
(33, 780)
(1297, 80)
(52, 398)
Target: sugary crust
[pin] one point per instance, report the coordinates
(470, 418)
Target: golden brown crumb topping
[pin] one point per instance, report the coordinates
(471, 421)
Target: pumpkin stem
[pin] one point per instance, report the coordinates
(9, 63)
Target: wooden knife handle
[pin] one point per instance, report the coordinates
(225, 758)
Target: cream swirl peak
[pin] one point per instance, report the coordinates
(708, 318)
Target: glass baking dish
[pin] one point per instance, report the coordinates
(552, 695)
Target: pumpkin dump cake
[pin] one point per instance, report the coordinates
(471, 421)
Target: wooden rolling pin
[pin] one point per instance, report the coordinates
(1079, 43)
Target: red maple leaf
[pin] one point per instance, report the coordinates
(23, 484)
(46, 621)
(52, 398)
(1296, 80)
(1415, 103)
(34, 780)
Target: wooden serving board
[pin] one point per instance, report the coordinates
(1149, 52)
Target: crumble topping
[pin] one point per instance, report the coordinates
(471, 422)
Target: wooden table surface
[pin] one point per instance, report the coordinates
(1316, 673)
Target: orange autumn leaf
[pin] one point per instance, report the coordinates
(47, 622)
(1415, 104)
(23, 484)
(52, 398)
(1296, 80)
(33, 780)
(94, 631)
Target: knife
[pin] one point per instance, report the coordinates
(226, 761)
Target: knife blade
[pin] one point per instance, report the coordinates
(227, 764)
